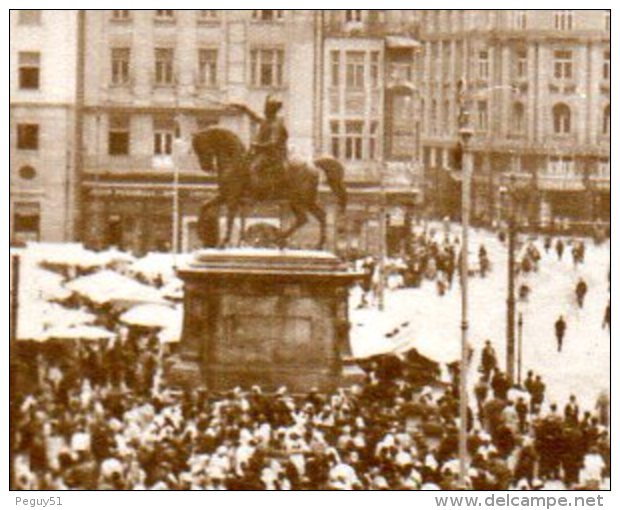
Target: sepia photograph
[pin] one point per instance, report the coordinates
(310, 250)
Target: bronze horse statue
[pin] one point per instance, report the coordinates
(220, 148)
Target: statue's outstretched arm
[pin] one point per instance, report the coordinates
(248, 111)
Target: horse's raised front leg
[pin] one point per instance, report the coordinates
(317, 211)
(300, 220)
(230, 221)
(206, 234)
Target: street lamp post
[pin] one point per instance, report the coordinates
(520, 349)
(14, 367)
(465, 134)
(175, 210)
(382, 246)
(179, 148)
(511, 300)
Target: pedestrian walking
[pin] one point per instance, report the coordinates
(538, 394)
(607, 317)
(521, 410)
(488, 359)
(528, 384)
(500, 385)
(560, 331)
(580, 291)
(571, 412)
(602, 406)
(559, 248)
(481, 390)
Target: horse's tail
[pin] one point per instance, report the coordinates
(334, 171)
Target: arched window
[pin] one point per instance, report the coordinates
(561, 119)
(518, 118)
(607, 120)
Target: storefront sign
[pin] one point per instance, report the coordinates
(148, 193)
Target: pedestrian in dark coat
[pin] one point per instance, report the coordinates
(607, 316)
(571, 412)
(500, 385)
(526, 463)
(559, 248)
(560, 331)
(488, 359)
(581, 290)
(538, 394)
(481, 390)
(529, 381)
(521, 409)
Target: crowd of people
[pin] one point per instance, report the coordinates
(102, 417)
(430, 256)
(116, 427)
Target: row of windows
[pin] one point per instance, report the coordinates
(563, 20)
(561, 118)
(354, 140)
(562, 62)
(169, 15)
(266, 67)
(563, 68)
(351, 139)
(446, 20)
(354, 69)
(119, 136)
(350, 16)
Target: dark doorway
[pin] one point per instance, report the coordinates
(114, 232)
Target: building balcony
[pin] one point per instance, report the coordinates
(566, 182)
(366, 28)
(362, 172)
(519, 87)
(563, 87)
(403, 174)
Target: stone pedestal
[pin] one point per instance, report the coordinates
(266, 317)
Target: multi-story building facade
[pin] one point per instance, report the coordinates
(376, 89)
(538, 95)
(155, 75)
(370, 119)
(43, 99)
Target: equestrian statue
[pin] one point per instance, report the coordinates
(263, 173)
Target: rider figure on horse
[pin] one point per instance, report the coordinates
(269, 148)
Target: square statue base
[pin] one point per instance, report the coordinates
(264, 317)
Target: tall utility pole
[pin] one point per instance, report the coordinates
(175, 197)
(510, 299)
(465, 134)
(382, 246)
(520, 349)
(179, 149)
(75, 223)
(13, 365)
